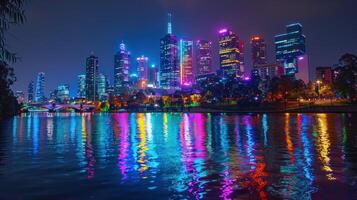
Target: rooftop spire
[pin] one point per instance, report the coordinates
(169, 24)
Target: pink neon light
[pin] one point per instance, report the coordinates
(223, 30)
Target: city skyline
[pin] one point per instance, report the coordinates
(182, 28)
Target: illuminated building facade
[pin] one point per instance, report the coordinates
(186, 63)
(230, 54)
(121, 69)
(169, 60)
(142, 72)
(268, 71)
(324, 74)
(101, 87)
(259, 51)
(153, 77)
(289, 47)
(62, 93)
(303, 69)
(204, 57)
(40, 87)
(81, 88)
(91, 77)
(30, 92)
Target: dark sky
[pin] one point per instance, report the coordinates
(60, 34)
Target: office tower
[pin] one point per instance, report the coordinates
(204, 57)
(30, 92)
(81, 88)
(142, 72)
(303, 69)
(153, 77)
(289, 47)
(121, 69)
(62, 93)
(101, 87)
(324, 74)
(230, 53)
(40, 88)
(268, 71)
(133, 79)
(186, 63)
(91, 77)
(169, 60)
(259, 51)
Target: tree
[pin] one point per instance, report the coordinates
(346, 79)
(11, 12)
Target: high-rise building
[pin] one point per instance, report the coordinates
(142, 71)
(40, 87)
(204, 57)
(91, 77)
(230, 53)
(62, 93)
(153, 77)
(259, 51)
(289, 47)
(268, 71)
(81, 90)
(169, 60)
(30, 92)
(186, 63)
(324, 74)
(101, 87)
(121, 69)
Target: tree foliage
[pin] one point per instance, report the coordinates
(346, 79)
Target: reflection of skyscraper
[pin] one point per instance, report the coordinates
(153, 76)
(259, 51)
(186, 64)
(231, 53)
(204, 57)
(289, 47)
(169, 60)
(121, 69)
(101, 87)
(30, 94)
(40, 87)
(142, 71)
(81, 92)
(91, 77)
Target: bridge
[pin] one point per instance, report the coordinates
(36, 107)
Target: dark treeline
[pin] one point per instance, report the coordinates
(11, 13)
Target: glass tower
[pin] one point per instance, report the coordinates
(204, 57)
(169, 60)
(230, 54)
(121, 69)
(289, 47)
(81, 92)
(40, 87)
(186, 64)
(91, 77)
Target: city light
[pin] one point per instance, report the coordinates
(223, 30)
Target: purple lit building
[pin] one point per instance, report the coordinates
(186, 63)
(142, 71)
(204, 57)
(153, 77)
(121, 69)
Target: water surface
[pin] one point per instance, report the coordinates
(179, 156)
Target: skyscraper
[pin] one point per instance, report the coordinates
(289, 47)
(91, 77)
(169, 60)
(204, 57)
(121, 69)
(186, 62)
(142, 71)
(101, 87)
(153, 77)
(62, 93)
(40, 87)
(259, 51)
(81, 92)
(30, 92)
(230, 53)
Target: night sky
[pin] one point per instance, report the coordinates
(60, 34)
